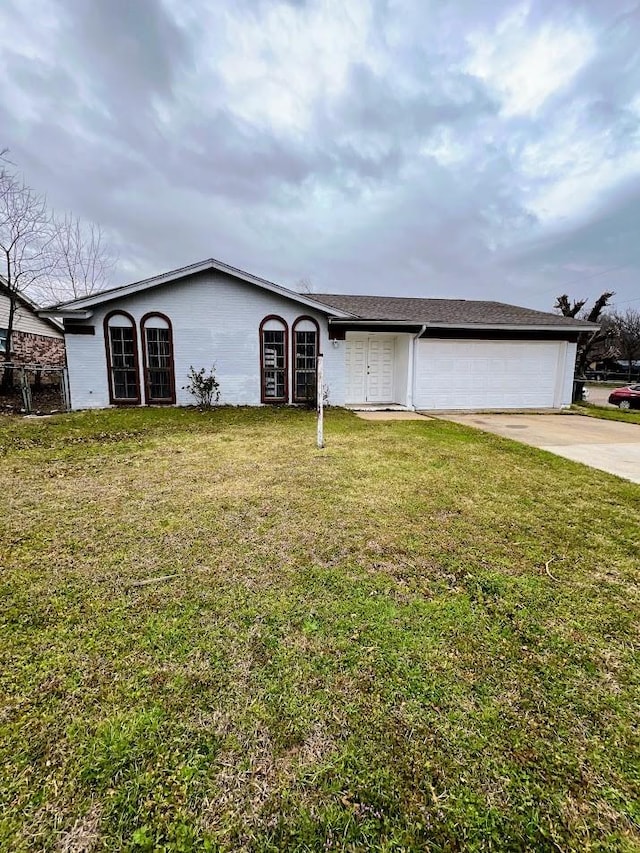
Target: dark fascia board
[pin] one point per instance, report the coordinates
(573, 328)
(185, 272)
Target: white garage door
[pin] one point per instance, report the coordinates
(462, 374)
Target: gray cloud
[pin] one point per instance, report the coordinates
(130, 50)
(367, 151)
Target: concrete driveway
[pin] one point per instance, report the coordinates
(600, 396)
(607, 445)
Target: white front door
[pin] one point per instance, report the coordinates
(380, 370)
(370, 364)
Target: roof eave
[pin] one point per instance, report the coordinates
(194, 269)
(65, 313)
(29, 304)
(534, 327)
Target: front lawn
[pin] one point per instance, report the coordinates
(424, 637)
(631, 416)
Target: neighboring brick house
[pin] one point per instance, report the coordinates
(34, 340)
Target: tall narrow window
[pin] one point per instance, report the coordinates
(3, 340)
(306, 335)
(157, 350)
(122, 358)
(273, 360)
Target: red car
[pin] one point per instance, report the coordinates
(626, 398)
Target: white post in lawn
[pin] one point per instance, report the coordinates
(319, 387)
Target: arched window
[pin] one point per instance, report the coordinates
(157, 353)
(306, 343)
(273, 360)
(122, 358)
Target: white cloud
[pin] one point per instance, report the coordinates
(573, 166)
(447, 148)
(279, 63)
(526, 67)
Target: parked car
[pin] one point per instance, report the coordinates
(626, 398)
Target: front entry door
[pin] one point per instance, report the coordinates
(369, 365)
(380, 370)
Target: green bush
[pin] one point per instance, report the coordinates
(203, 386)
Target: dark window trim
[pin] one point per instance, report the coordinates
(78, 328)
(304, 317)
(116, 401)
(168, 401)
(285, 329)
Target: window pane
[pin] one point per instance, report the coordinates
(306, 386)
(122, 347)
(274, 364)
(305, 366)
(159, 364)
(160, 384)
(123, 363)
(3, 340)
(274, 384)
(125, 385)
(158, 348)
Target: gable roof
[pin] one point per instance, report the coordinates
(85, 302)
(459, 313)
(350, 309)
(29, 304)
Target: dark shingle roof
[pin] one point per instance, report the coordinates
(446, 311)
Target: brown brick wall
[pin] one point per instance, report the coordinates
(27, 348)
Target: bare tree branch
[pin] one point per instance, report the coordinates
(626, 335)
(305, 285)
(599, 305)
(81, 261)
(25, 235)
(566, 308)
(588, 342)
(43, 255)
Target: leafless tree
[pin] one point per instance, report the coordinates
(41, 255)
(589, 343)
(626, 335)
(81, 261)
(305, 285)
(25, 238)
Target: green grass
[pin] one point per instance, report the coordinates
(619, 383)
(362, 649)
(631, 416)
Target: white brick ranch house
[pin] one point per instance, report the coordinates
(134, 345)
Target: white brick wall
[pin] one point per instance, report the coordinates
(215, 319)
(569, 370)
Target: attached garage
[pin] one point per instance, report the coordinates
(431, 354)
(489, 374)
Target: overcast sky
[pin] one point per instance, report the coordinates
(487, 150)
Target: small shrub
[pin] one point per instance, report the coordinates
(203, 386)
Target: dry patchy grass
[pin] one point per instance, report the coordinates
(361, 648)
